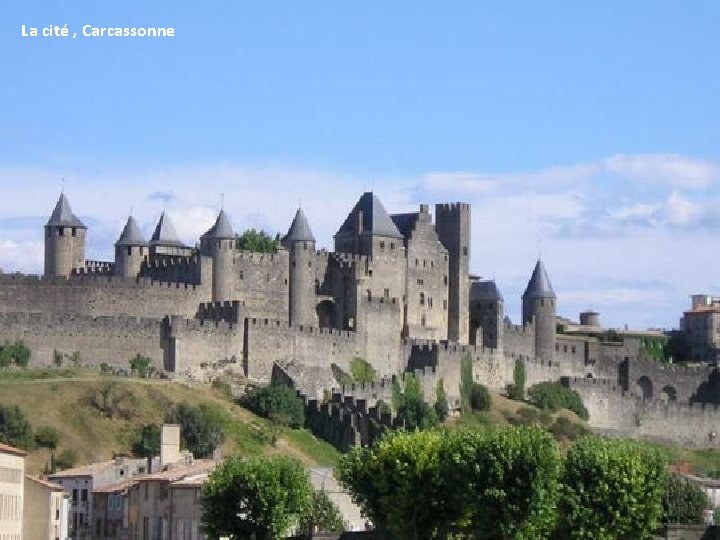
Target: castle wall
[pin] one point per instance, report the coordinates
(92, 295)
(202, 348)
(519, 340)
(262, 283)
(379, 326)
(267, 341)
(110, 340)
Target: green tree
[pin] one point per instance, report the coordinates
(441, 402)
(362, 371)
(400, 484)
(201, 427)
(142, 365)
(466, 382)
(505, 481)
(611, 489)
(15, 429)
(47, 437)
(147, 441)
(517, 389)
(480, 398)
(16, 354)
(412, 408)
(66, 459)
(323, 516)
(553, 396)
(257, 241)
(276, 401)
(683, 501)
(257, 497)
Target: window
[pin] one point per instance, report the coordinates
(129, 250)
(369, 294)
(242, 275)
(98, 527)
(564, 348)
(61, 231)
(422, 320)
(382, 245)
(424, 263)
(84, 495)
(387, 293)
(309, 264)
(146, 490)
(420, 281)
(422, 299)
(445, 280)
(392, 245)
(75, 496)
(445, 304)
(572, 349)
(465, 251)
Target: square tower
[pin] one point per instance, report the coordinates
(452, 223)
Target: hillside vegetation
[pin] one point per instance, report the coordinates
(62, 398)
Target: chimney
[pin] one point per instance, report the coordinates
(169, 445)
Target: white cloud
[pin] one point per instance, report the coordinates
(674, 170)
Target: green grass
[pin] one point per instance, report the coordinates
(61, 398)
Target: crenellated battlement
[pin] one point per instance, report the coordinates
(452, 208)
(96, 267)
(220, 311)
(49, 323)
(269, 324)
(178, 324)
(242, 255)
(93, 280)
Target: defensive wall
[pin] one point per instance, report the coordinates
(109, 340)
(261, 282)
(99, 295)
(619, 412)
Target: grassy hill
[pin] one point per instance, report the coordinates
(62, 399)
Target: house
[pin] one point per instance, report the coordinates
(46, 510)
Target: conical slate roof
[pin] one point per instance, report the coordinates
(131, 235)
(376, 220)
(165, 234)
(222, 228)
(539, 285)
(299, 229)
(63, 215)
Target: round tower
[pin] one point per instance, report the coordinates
(300, 242)
(220, 241)
(64, 241)
(130, 250)
(538, 305)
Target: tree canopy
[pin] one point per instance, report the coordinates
(257, 241)
(259, 496)
(553, 396)
(277, 402)
(201, 429)
(147, 441)
(15, 429)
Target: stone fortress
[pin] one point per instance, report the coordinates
(397, 291)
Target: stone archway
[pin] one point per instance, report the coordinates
(644, 387)
(325, 313)
(668, 394)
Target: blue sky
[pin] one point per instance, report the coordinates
(587, 132)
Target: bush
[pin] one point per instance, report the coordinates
(15, 429)
(611, 489)
(362, 371)
(201, 427)
(322, 516)
(15, 354)
(147, 441)
(257, 241)
(684, 501)
(441, 403)
(277, 402)
(553, 396)
(565, 430)
(530, 416)
(411, 406)
(47, 437)
(142, 365)
(66, 459)
(516, 390)
(480, 399)
(112, 401)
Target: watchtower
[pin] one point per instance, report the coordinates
(300, 242)
(538, 305)
(64, 241)
(452, 223)
(220, 240)
(131, 250)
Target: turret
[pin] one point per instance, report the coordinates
(452, 223)
(486, 314)
(369, 230)
(300, 242)
(165, 241)
(131, 250)
(538, 305)
(64, 241)
(219, 243)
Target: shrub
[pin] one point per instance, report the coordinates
(529, 416)
(15, 429)
(412, 408)
(684, 501)
(66, 459)
(441, 403)
(147, 441)
(343, 378)
(553, 396)
(322, 516)
(516, 390)
(16, 354)
(362, 371)
(142, 365)
(47, 437)
(611, 489)
(112, 401)
(565, 430)
(480, 399)
(201, 427)
(277, 402)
